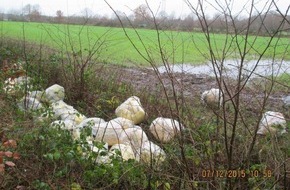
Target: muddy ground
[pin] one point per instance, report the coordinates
(191, 86)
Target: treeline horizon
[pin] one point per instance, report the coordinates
(265, 24)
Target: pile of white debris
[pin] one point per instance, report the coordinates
(121, 133)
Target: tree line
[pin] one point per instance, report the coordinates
(261, 24)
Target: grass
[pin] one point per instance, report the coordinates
(178, 47)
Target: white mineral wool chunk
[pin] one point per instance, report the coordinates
(63, 124)
(165, 129)
(76, 134)
(43, 116)
(61, 111)
(272, 122)
(109, 132)
(93, 148)
(66, 112)
(121, 122)
(151, 153)
(125, 150)
(131, 109)
(90, 122)
(74, 116)
(70, 124)
(212, 97)
(58, 124)
(60, 104)
(104, 157)
(54, 93)
(37, 94)
(134, 137)
(90, 140)
(24, 84)
(30, 104)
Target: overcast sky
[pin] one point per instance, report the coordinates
(99, 7)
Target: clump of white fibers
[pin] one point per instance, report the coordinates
(135, 137)
(131, 109)
(272, 122)
(165, 129)
(212, 97)
(110, 132)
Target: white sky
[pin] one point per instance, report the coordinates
(99, 7)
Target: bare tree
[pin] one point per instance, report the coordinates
(141, 15)
(31, 12)
(59, 16)
(233, 122)
(87, 13)
(27, 9)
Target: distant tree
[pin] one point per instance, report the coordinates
(87, 13)
(32, 13)
(26, 9)
(272, 20)
(188, 22)
(142, 15)
(59, 16)
(35, 15)
(14, 15)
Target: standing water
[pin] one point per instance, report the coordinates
(231, 68)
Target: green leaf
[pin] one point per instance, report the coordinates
(166, 186)
(56, 155)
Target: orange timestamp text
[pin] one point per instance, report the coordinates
(236, 173)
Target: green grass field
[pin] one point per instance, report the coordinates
(178, 47)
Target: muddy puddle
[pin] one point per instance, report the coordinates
(231, 68)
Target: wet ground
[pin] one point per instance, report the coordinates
(255, 68)
(191, 85)
(188, 84)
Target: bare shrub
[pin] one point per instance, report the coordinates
(225, 139)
